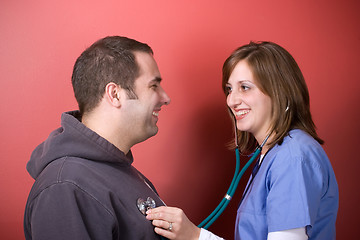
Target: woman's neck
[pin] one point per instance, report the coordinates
(266, 138)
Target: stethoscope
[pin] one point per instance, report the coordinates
(144, 205)
(234, 183)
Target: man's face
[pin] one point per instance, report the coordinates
(144, 111)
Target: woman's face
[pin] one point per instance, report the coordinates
(250, 106)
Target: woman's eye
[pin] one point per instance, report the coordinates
(245, 87)
(228, 89)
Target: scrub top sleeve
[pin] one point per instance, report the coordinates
(294, 191)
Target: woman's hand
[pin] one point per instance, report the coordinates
(172, 223)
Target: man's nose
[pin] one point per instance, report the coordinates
(165, 98)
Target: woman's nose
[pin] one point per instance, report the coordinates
(233, 99)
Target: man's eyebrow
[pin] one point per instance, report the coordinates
(156, 80)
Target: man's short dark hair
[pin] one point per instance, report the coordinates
(110, 59)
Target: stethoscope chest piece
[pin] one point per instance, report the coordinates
(143, 205)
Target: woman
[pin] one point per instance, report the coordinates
(294, 194)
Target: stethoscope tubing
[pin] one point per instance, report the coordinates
(231, 191)
(234, 183)
(209, 219)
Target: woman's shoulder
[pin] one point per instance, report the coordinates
(301, 140)
(299, 145)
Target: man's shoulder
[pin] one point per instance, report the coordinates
(66, 170)
(72, 175)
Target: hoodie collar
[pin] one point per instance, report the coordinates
(74, 139)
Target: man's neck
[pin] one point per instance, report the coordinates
(103, 126)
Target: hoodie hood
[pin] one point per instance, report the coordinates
(74, 139)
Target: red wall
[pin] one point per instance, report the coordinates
(187, 160)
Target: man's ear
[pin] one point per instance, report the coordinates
(113, 94)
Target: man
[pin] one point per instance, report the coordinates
(86, 187)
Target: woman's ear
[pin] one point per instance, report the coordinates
(113, 94)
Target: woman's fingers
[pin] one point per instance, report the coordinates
(163, 220)
(172, 223)
(165, 233)
(163, 224)
(169, 214)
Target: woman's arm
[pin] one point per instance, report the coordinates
(291, 234)
(206, 235)
(181, 226)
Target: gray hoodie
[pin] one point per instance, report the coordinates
(85, 188)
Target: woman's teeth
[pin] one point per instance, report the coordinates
(242, 112)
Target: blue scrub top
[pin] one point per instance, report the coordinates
(294, 187)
